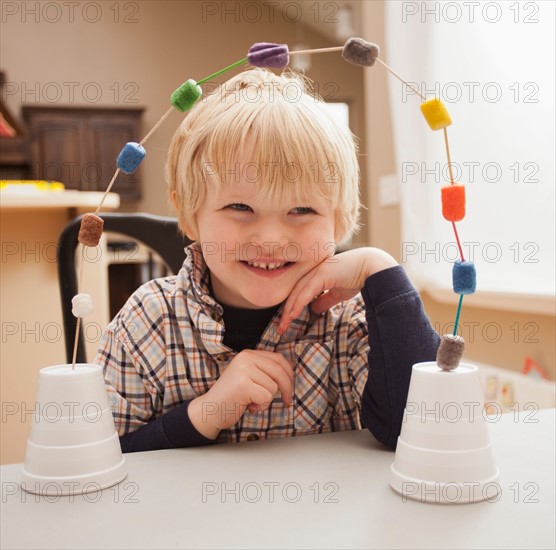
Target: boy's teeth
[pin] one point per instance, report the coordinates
(268, 267)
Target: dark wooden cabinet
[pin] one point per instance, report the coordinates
(14, 150)
(14, 158)
(79, 146)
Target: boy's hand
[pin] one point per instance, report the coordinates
(337, 278)
(250, 381)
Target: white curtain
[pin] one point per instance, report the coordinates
(492, 64)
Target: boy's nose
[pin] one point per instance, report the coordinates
(271, 234)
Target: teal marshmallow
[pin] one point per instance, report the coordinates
(130, 157)
(464, 277)
(186, 95)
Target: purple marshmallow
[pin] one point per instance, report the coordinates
(267, 54)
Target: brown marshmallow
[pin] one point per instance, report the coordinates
(450, 351)
(90, 230)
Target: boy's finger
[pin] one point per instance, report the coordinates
(273, 368)
(260, 397)
(306, 295)
(284, 383)
(287, 316)
(277, 376)
(326, 300)
(277, 358)
(299, 297)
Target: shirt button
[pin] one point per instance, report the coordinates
(222, 357)
(252, 437)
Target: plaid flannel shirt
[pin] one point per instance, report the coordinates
(166, 346)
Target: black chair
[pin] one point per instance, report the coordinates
(160, 233)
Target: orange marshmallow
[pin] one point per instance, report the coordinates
(453, 202)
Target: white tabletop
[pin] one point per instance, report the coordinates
(322, 491)
(30, 199)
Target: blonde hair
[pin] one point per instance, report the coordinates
(272, 130)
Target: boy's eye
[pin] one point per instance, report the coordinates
(239, 207)
(300, 210)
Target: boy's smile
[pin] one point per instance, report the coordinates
(270, 268)
(257, 250)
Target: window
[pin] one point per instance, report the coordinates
(494, 70)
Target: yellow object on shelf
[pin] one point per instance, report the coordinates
(436, 114)
(31, 185)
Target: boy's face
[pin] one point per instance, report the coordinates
(257, 250)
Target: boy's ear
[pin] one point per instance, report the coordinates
(174, 199)
(188, 230)
(191, 232)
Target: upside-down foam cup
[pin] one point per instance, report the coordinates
(73, 447)
(444, 454)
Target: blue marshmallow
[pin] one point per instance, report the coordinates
(130, 157)
(464, 277)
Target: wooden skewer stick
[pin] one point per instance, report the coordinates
(448, 156)
(78, 324)
(75, 342)
(107, 190)
(318, 50)
(388, 68)
(394, 73)
(155, 127)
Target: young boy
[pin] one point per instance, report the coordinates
(265, 332)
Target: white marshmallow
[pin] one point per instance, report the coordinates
(82, 305)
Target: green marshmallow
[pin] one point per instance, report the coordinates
(186, 95)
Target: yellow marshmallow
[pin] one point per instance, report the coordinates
(436, 114)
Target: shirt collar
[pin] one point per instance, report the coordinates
(198, 275)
